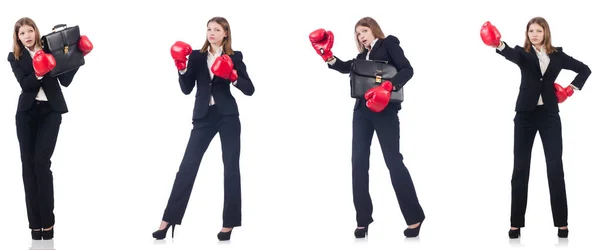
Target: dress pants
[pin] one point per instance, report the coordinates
(203, 132)
(526, 126)
(37, 131)
(387, 125)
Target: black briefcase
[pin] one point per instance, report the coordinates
(367, 74)
(63, 45)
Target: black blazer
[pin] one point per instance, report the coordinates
(30, 85)
(198, 75)
(387, 49)
(533, 83)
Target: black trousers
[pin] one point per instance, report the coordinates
(526, 126)
(37, 131)
(387, 126)
(204, 130)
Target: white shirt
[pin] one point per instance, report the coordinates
(41, 95)
(544, 60)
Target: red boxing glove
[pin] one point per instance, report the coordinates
(562, 93)
(223, 67)
(85, 45)
(490, 35)
(43, 63)
(234, 76)
(379, 97)
(322, 42)
(179, 52)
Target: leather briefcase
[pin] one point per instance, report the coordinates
(367, 74)
(63, 45)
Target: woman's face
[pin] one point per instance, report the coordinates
(27, 36)
(536, 34)
(365, 36)
(215, 34)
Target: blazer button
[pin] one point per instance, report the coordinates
(541, 79)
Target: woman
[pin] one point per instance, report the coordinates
(211, 69)
(537, 110)
(375, 113)
(38, 119)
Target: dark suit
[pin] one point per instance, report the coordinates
(545, 118)
(386, 124)
(38, 123)
(223, 117)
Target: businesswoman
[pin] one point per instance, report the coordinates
(212, 70)
(375, 113)
(39, 115)
(537, 110)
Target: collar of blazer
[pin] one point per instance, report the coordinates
(377, 44)
(375, 47)
(552, 56)
(204, 64)
(25, 52)
(26, 61)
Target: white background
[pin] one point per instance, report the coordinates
(120, 145)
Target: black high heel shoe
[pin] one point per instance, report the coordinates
(161, 234)
(223, 236)
(413, 232)
(36, 235)
(563, 233)
(48, 235)
(361, 232)
(514, 233)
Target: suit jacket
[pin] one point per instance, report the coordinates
(387, 49)
(533, 83)
(198, 75)
(30, 85)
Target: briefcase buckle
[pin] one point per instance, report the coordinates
(66, 49)
(378, 79)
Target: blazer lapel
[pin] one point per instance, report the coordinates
(204, 63)
(533, 54)
(552, 62)
(376, 46)
(26, 61)
(363, 55)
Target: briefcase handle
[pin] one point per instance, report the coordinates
(64, 37)
(58, 26)
(378, 61)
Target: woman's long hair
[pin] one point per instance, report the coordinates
(371, 24)
(547, 42)
(17, 44)
(226, 40)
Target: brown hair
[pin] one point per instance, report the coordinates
(371, 24)
(547, 42)
(226, 40)
(17, 44)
